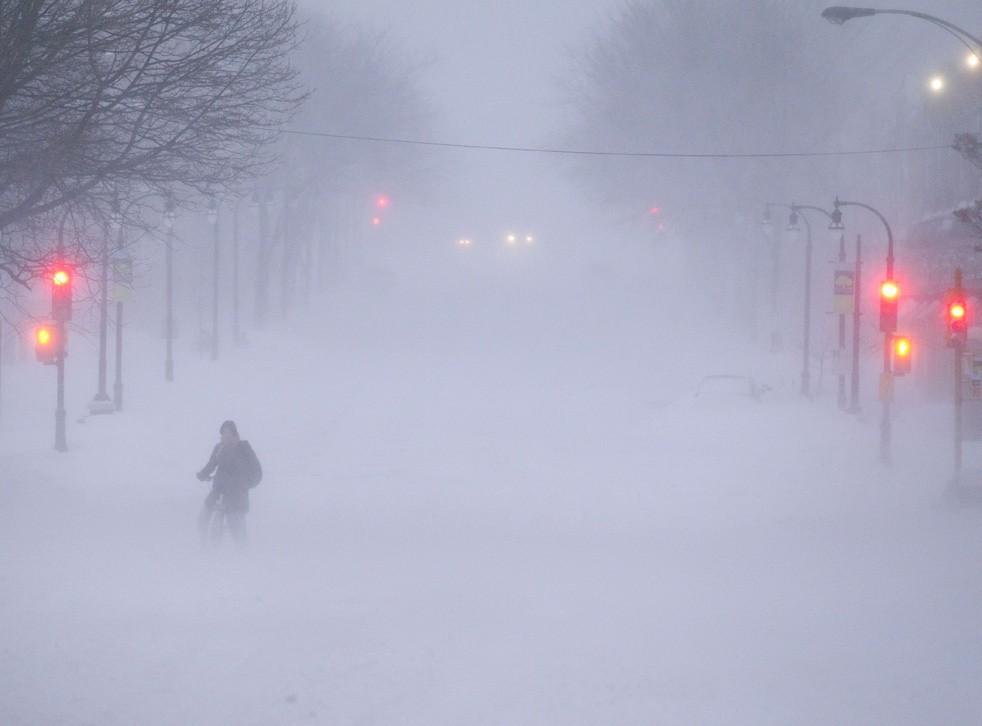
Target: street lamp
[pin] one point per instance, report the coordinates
(886, 392)
(213, 218)
(936, 84)
(101, 404)
(169, 216)
(839, 14)
(797, 214)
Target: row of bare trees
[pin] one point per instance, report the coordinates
(109, 105)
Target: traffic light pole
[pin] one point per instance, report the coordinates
(61, 443)
(958, 349)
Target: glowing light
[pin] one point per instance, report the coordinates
(382, 201)
(376, 221)
(44, 336)
(511, 239)
(956, 311)
(903, 347)
(529, 239)
(61, 277)
(972, 61)
(936, 84)
(889, 290)
(464, 242)
(654, 211)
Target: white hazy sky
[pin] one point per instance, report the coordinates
(495, 64)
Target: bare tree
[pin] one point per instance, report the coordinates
(107, 98)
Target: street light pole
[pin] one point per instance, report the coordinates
(798, 211)
(854, 406)
(101, 404)
(213, 216)
(886, 386)
(806, 343)
(169, 216)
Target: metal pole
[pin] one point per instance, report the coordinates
(61, 443)
(214, 284)
(169, 332)
(806, 349)
(775, 287)
(842, 334)
(854, 406)
(236, 330)
(102, 396)
(886, 394)
(118, 385)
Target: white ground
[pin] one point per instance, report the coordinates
(470, 520)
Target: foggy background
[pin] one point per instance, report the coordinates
(569, 479)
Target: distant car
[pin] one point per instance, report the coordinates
(725, 385)
(512, 239)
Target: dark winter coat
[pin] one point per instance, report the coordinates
(235, 469)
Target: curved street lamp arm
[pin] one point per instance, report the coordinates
(840, 203)
(839, 14)
(814, 209)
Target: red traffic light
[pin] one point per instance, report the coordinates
(61, 293)
(957, 315)
(376, 221)
(382, 201)
(889, 297)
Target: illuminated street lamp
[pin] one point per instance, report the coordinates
(936, 84)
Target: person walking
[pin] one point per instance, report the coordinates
(233, 470)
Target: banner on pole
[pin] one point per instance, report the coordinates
(844, 290)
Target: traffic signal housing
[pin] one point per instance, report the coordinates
(61, 293)
(49, 345)
(889, 299)
(956, 312)
(902, 353)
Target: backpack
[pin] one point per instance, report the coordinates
(255, 469)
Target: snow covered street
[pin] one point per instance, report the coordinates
(542, 543)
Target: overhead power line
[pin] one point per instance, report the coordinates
(625, 154)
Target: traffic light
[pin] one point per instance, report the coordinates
(889, 297)
(902, 351)
(61, 294)
(48, 343)
(382, 201)
(957, 315)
